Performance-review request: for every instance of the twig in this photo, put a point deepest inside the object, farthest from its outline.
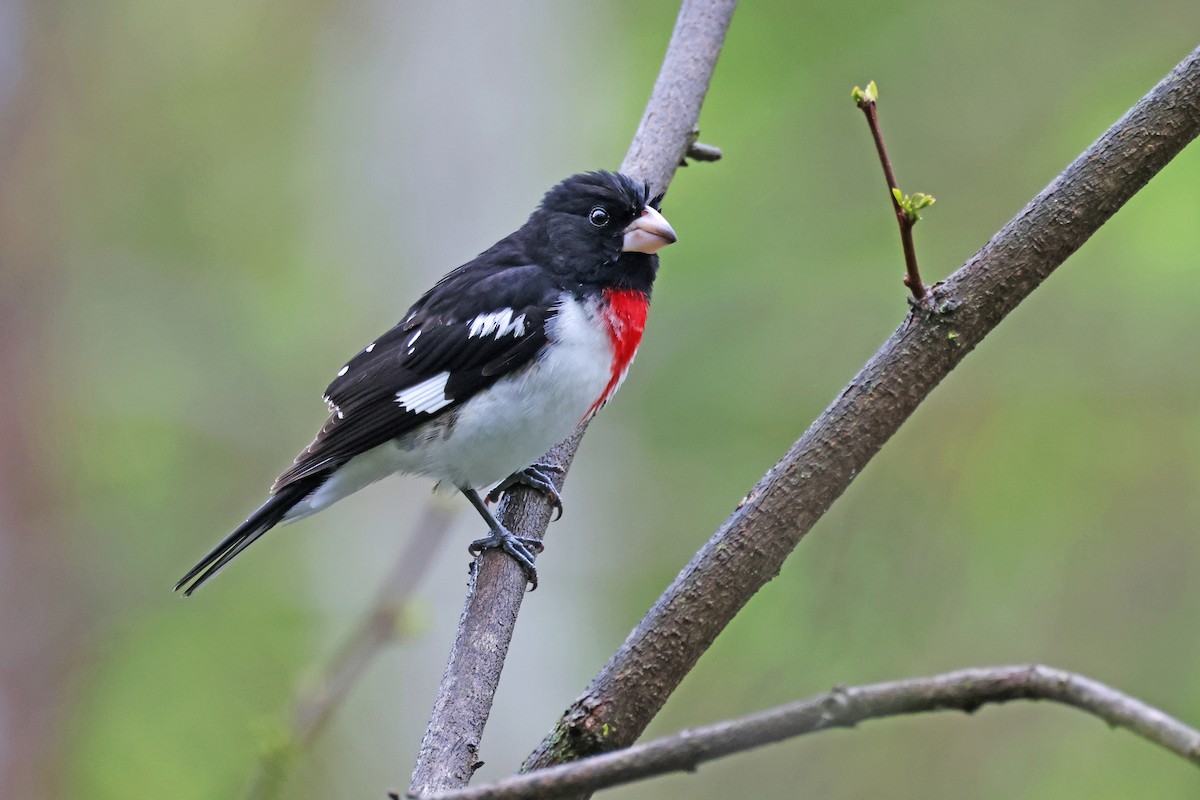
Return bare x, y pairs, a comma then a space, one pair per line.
377, 628
906, 217
699, 151
751, 546
449, 750
965, 690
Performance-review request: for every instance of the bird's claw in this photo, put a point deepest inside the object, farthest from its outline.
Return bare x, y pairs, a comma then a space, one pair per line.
521, 549
535, 478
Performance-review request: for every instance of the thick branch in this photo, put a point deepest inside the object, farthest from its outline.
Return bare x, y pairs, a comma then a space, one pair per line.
965, 690
449, 750
751, 545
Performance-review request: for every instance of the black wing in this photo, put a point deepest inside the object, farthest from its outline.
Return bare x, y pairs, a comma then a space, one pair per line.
464, 335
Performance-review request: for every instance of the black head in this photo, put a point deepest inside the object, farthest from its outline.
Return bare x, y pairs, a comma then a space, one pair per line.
600, 228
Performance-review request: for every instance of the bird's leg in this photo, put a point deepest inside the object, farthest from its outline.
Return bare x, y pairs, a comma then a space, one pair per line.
535, 478
522, 550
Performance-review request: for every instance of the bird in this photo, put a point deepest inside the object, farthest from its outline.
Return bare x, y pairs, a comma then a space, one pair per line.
500, 360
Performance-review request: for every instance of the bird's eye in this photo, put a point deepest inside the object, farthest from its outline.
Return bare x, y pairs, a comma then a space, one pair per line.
598, 217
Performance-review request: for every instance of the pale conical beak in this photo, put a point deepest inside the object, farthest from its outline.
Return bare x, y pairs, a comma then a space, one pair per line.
649, 233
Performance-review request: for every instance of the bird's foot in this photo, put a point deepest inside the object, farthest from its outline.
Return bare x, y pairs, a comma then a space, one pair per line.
535, 478
519, 548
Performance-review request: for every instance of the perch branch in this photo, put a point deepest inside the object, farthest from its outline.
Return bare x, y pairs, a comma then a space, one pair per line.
750, 547
964, 690
449, 750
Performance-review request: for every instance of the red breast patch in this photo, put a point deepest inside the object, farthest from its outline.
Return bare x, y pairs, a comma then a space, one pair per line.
624, 316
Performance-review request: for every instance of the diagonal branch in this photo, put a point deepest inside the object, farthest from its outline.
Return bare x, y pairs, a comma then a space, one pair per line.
964, 690
449, 751
750, 547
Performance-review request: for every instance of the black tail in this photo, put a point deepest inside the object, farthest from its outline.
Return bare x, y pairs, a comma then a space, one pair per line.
261, 521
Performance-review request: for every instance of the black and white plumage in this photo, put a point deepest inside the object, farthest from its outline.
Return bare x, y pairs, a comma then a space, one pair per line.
495, 364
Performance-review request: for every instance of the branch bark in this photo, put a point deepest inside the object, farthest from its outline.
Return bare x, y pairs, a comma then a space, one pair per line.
449, 750
750, 547
965, 690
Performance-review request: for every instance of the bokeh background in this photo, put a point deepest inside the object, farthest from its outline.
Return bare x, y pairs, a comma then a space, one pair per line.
205, 207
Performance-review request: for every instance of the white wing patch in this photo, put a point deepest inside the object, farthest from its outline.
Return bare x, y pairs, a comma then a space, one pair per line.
497, 323
425, 397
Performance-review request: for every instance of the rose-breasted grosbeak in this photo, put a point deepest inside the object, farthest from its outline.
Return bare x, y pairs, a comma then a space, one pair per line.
495, 364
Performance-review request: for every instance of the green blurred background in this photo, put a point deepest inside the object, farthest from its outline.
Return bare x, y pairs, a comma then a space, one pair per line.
205, 207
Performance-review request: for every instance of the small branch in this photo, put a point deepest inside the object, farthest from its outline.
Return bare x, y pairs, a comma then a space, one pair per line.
378, 628
751, 545
906, 212
965, 690
699, 151
449, 750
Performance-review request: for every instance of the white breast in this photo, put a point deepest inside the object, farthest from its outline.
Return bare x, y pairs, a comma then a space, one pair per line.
505, 428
